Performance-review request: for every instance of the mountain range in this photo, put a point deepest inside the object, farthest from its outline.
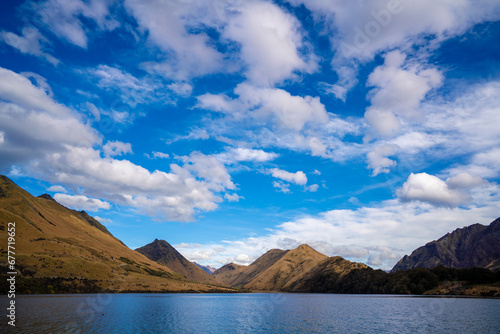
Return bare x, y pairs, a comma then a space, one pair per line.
62, 250
290, 270
472, 246
59, 250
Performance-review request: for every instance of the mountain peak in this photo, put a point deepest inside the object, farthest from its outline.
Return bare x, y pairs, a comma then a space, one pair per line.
305, 247
47, 196
162, 252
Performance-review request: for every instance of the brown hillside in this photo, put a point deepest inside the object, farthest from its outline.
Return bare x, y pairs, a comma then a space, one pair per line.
73, 249
242, 275
162, 252
229, 273
291, 267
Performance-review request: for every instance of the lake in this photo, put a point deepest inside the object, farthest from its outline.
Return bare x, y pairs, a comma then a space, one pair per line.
253, 313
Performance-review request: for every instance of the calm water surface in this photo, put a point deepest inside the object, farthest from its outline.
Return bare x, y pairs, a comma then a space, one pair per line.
253, 313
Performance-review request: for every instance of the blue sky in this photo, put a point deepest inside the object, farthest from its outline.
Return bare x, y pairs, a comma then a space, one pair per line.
363, 128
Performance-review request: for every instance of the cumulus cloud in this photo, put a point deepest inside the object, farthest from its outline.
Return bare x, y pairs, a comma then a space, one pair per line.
30, 42
80, 202
299, 177
431, 189
464, 180
242, 154
116, 148
210, 169
176, 195
51, 142
462, 125
268, 104
399, 91
378, 158
34, 124
270, 40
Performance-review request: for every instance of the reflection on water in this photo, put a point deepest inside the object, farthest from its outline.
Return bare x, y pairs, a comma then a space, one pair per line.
254, 313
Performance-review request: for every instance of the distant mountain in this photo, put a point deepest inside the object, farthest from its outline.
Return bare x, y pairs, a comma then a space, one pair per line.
286, 270
472, 246
163, 253
208, 269
61, 250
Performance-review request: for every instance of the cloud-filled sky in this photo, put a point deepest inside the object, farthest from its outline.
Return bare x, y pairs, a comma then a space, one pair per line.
363, 128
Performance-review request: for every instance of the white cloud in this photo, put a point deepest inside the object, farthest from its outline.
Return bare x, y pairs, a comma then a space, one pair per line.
161, 155
49, 141
114, 148
181, 88
312, 188
463, 125
378, 158
34, 124
178, 195
430, 189
241, 154
2, 137
132, 90
270, 39
399, 91
359, 30
464, 180
233, 197
168, 23
30, 43
80, 202
64, 18
379, 235
210, 169
57, 188
272, 117
282, 187
299, 177
261, 105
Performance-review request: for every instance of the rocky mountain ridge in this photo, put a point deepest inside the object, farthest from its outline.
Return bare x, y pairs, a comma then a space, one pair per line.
472, 246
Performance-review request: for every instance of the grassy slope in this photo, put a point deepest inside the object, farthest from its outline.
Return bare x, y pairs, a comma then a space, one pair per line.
55, 242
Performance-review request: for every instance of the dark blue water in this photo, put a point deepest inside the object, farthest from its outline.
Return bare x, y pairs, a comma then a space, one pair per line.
253, 313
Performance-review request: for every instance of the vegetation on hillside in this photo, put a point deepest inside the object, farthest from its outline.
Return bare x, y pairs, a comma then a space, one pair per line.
413, 281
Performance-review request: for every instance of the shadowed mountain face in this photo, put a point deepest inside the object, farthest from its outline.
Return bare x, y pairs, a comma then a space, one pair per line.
333, 268
472, 246
63, 250
163, 253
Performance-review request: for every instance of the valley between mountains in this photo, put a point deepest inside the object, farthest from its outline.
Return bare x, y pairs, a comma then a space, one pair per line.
59, 250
